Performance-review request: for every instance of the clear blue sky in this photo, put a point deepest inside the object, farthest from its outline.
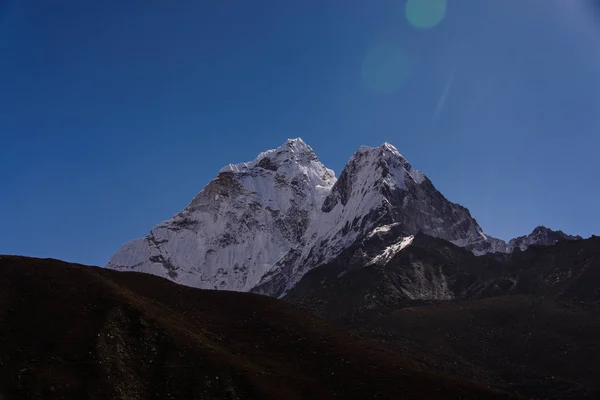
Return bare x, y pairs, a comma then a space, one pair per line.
114, 114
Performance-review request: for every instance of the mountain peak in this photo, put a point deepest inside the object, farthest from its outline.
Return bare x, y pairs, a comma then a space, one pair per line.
297, 143
292, 151
540, 229
384, 148
541, 235
386, 154
293, 148
389, 147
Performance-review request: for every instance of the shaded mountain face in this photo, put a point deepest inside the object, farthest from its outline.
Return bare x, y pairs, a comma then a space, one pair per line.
390, 269
526, 322
70, 331
260, 226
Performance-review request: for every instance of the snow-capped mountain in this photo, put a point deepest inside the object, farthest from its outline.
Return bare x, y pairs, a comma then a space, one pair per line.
239, 225
262, 225
378, 187
540, 236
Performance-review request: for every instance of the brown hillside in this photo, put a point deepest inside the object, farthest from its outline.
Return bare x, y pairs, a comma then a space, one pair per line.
70, 331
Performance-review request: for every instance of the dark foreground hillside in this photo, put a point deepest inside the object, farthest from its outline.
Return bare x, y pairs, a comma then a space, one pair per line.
525, 345
527, 323
69, 331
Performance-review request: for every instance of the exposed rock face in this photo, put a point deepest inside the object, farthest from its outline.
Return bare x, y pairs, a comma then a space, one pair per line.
262, 225
389, 270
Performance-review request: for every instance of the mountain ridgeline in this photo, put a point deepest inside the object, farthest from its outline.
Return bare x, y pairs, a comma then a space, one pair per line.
262, 225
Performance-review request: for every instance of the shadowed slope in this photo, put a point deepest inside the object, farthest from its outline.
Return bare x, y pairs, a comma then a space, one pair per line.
522, 344
449, 309
70, 331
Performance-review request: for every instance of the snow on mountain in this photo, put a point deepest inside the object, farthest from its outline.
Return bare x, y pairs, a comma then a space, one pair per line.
239, 225
389, 252
263, 224
377, 187
540, 236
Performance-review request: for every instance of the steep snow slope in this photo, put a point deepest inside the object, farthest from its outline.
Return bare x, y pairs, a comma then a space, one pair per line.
378, 187
239, 225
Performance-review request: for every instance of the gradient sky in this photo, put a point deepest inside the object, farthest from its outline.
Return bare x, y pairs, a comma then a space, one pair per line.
114, 114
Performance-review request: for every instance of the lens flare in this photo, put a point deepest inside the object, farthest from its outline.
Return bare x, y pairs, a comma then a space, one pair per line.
425, 14
385, 69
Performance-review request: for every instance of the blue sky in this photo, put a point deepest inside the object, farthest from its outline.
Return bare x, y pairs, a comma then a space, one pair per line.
113, 115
